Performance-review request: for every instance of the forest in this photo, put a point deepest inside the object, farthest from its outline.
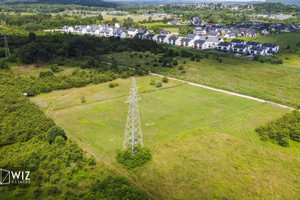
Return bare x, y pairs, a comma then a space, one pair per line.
59, 168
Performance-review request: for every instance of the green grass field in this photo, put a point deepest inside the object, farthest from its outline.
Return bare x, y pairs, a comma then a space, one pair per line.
203, 142
279, 83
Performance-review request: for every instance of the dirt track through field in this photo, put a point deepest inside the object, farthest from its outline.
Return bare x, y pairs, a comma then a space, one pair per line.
226, 92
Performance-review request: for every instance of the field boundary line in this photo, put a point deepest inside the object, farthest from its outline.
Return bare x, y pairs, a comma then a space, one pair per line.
225, 91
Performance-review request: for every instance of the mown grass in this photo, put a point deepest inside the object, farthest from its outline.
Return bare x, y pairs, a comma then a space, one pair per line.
203, 142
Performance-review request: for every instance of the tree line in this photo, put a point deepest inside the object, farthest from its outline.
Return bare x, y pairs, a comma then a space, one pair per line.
282, 130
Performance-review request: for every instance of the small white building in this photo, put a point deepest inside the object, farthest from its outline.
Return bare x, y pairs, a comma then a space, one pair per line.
67, 29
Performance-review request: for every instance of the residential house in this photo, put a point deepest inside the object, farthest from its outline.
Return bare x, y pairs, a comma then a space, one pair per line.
199, 31
197, 22
80, 29
271, 48
261, 51
212, 42
253, 44
174, 22
93, 30
67, 29
230, 35
224, 46
240, 48
131, 32
161, 39
165, 32
149, 36
200, 44
186, 42
119, 33
213, 34
174, 41
236, 41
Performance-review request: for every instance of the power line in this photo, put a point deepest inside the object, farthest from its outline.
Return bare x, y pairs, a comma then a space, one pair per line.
7, 52
133, 132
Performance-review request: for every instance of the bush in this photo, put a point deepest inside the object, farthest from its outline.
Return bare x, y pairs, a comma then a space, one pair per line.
180, 67
184, 62
165, 80
198, 60
55, 131
158, 84
175, 62
131, 161
83, 100
3, 64
55, 68
60, 140
45, 74
12, 58
112, 85
152, 82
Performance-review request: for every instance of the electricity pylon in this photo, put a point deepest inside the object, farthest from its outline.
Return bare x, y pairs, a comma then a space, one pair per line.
7, 52
133, 132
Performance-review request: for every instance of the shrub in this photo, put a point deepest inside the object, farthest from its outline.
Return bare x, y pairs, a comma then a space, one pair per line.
60, 140
184, 62
152, 82
175, 62
55, 131
12, 58
45, 74
124, 75
220, 60
165, 80
180, 67
158, 84
256, 58
198, 60
140, 72
131, 161
112, 85
55, 68
83, 100
183, 72
3, 64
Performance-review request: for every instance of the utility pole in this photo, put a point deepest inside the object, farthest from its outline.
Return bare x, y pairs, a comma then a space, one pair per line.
133, 132
7, 52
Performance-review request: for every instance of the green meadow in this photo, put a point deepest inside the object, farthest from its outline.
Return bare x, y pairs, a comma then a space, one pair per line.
203, 142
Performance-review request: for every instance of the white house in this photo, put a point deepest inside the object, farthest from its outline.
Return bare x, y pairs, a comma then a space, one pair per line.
186, 42
199, 31
253, 44
131, 32
240, 48
224, 46
230, 35
67, 29
80, 29
212, 42
119, 33
200, 44
261, 51
271, 48
164, 32
174, 41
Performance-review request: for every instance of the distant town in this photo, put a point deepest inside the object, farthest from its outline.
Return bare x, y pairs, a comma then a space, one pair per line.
204, 36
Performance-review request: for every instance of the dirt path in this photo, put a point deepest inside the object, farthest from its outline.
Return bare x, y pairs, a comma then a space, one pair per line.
226, 92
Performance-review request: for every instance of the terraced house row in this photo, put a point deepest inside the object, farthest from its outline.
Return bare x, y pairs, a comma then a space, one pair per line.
249, 48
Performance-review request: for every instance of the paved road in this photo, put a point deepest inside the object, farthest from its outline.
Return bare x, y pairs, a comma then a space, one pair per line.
227, 92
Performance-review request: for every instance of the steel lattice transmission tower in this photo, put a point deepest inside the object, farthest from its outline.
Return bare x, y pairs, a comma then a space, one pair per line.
133, 132
7, 52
